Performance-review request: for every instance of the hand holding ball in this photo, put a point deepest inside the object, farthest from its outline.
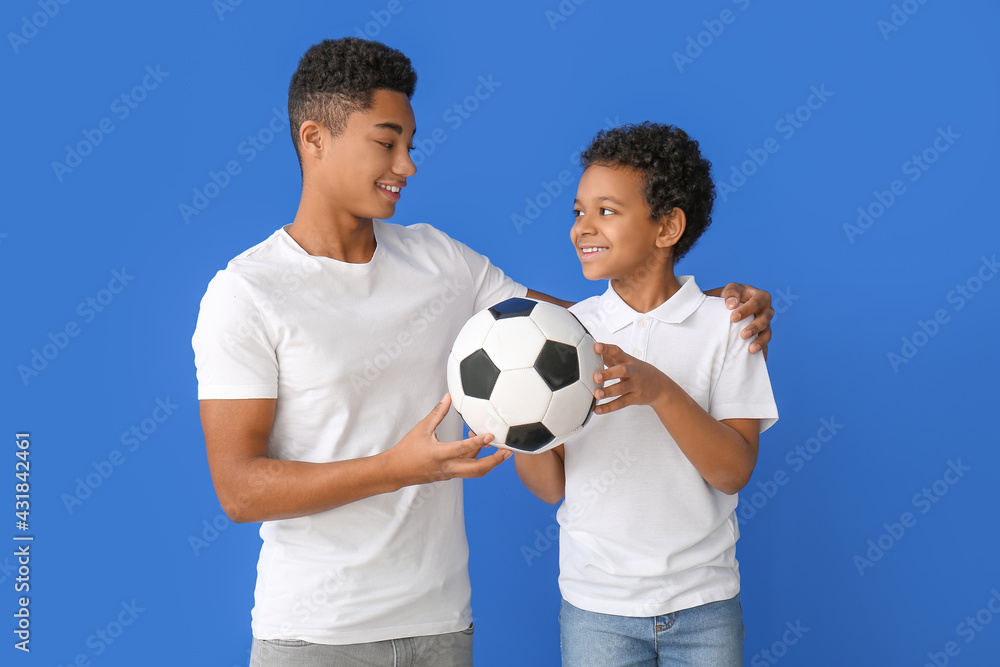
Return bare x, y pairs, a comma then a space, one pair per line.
523, 370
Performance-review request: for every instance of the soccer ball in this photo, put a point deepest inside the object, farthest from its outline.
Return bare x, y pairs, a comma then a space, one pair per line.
523, 370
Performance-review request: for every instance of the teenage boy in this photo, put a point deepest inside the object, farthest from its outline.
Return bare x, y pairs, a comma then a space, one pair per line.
317, 352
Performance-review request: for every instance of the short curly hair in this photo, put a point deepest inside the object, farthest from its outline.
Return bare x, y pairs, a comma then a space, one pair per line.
338, 77
674, 171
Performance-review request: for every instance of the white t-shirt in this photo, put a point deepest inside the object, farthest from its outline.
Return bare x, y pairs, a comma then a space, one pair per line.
642, 533
355, 355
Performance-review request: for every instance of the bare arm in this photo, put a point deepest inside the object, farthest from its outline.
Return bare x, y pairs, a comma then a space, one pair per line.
744, 300
253, 487
544, 474
724, 452
539, 296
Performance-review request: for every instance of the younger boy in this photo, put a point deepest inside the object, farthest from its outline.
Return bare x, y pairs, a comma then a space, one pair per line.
648, 568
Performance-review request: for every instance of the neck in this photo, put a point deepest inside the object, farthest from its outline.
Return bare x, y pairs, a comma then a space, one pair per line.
324, 229
646, 291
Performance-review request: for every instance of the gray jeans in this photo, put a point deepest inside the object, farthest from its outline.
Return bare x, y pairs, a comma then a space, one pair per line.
449, 650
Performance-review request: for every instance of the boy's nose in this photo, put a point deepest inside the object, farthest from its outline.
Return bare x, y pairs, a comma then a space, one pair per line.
581, 225
405, 166
579, 229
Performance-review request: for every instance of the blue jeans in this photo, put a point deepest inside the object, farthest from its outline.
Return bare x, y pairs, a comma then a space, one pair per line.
448, 650
709, 635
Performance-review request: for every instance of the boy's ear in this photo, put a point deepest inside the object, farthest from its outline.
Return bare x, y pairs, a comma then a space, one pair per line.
311, 138
672, 227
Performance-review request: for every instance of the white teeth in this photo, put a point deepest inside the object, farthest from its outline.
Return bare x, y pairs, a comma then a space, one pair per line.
390, 188
587, 251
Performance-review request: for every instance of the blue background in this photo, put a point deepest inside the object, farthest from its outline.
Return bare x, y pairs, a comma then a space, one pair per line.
151, 535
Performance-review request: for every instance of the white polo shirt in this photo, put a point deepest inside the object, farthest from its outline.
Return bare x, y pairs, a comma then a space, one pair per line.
355, 355
642, 533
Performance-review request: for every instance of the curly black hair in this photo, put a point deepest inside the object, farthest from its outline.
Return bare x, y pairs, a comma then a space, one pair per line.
338, 77
673, 168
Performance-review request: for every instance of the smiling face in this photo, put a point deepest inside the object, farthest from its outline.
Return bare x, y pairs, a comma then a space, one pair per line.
362, 171
615, 238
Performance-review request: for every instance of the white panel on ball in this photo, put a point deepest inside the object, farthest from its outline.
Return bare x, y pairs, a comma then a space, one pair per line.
482, 418
514, 342
557, 323
455, 383
521, 397
590, 361
472, 335
569, 408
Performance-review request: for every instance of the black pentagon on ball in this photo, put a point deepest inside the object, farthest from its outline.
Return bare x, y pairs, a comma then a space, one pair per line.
512, 308
593, 404
529, 437
558, 364
479, 374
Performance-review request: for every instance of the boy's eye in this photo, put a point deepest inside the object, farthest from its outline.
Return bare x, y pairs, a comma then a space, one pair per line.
605, 211
391, 145
577, 213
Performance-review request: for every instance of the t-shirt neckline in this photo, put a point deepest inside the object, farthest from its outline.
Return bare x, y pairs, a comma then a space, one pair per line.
340, 264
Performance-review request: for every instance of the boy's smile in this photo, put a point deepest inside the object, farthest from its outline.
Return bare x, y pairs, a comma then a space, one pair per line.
364, 169
589, 252
613, 233
353, 177
391, 190
617, 240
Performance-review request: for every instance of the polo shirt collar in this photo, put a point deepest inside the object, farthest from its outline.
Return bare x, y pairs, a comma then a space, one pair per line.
674, 310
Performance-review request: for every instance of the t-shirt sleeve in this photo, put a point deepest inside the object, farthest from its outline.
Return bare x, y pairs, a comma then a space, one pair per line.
743, 388
491, 284
232, 351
